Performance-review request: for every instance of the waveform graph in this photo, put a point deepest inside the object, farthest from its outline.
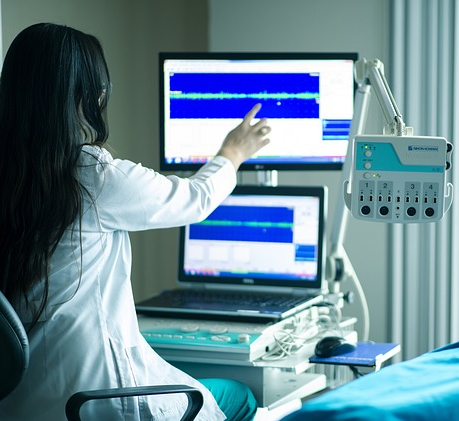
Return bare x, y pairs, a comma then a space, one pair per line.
246, 223
231, 95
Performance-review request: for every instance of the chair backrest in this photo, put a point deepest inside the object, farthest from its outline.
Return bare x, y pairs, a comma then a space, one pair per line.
14, 348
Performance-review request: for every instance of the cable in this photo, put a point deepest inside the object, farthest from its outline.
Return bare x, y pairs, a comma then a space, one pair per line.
363, 301
288, 341
306, 327
331, 322
357, 373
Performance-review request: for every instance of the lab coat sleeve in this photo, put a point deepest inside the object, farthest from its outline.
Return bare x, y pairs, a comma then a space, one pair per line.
131, 197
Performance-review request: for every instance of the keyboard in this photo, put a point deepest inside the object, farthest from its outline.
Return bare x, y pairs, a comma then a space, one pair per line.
229, 300
225, 305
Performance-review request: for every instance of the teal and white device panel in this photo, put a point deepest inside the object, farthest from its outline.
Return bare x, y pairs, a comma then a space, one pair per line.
399, 179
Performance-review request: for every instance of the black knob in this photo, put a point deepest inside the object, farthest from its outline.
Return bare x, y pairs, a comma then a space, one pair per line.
429, 212
365, 210
383, 210
411, 211
349, 297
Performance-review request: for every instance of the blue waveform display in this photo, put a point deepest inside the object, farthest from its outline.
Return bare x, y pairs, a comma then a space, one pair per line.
246, 223
231, 95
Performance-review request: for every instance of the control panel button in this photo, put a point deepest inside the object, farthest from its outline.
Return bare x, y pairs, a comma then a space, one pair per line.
218, 330
220, 338
190, 328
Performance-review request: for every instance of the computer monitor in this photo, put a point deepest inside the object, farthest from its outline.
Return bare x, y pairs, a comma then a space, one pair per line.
261, 236
307, 97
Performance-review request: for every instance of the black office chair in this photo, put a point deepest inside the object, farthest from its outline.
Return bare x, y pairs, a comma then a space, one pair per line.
14, 360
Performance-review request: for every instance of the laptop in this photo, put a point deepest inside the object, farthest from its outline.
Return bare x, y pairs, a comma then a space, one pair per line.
260, 256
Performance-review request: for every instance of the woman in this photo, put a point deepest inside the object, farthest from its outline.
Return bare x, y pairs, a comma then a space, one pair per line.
66, 209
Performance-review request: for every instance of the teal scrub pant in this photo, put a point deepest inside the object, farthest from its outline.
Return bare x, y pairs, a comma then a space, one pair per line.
234, 398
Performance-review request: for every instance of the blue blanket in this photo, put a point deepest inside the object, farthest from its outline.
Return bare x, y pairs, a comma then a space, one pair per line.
424, 388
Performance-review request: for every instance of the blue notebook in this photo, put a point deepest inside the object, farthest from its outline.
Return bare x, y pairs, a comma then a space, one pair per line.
367, 354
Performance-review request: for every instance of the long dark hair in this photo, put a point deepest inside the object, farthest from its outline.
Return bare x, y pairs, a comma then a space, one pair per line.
54, 90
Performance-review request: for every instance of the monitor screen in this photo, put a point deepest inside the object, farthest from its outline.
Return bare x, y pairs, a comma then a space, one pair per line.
259, 235
307, 97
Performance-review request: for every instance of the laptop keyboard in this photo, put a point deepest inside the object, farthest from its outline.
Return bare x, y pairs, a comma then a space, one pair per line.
179, 298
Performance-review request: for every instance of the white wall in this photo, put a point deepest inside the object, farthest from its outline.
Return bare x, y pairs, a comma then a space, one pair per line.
325, 25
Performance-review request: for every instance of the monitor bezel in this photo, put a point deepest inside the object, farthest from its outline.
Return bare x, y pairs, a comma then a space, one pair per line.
293, 166
317, 284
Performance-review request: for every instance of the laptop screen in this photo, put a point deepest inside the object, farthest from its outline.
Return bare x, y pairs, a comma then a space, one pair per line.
267, 236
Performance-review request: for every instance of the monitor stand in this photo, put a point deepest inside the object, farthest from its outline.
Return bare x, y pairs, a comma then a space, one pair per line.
267, 178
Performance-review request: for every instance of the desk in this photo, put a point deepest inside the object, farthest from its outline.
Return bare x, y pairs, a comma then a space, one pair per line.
274, 383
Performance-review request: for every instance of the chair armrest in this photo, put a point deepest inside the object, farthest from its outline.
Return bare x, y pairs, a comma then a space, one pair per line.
76, 401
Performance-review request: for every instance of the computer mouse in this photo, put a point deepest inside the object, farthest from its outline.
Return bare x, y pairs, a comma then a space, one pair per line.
330, 346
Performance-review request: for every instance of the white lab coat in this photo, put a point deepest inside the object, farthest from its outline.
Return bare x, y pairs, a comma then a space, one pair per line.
88, 337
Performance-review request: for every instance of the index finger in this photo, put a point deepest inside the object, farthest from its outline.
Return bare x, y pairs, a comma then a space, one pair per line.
252, 113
